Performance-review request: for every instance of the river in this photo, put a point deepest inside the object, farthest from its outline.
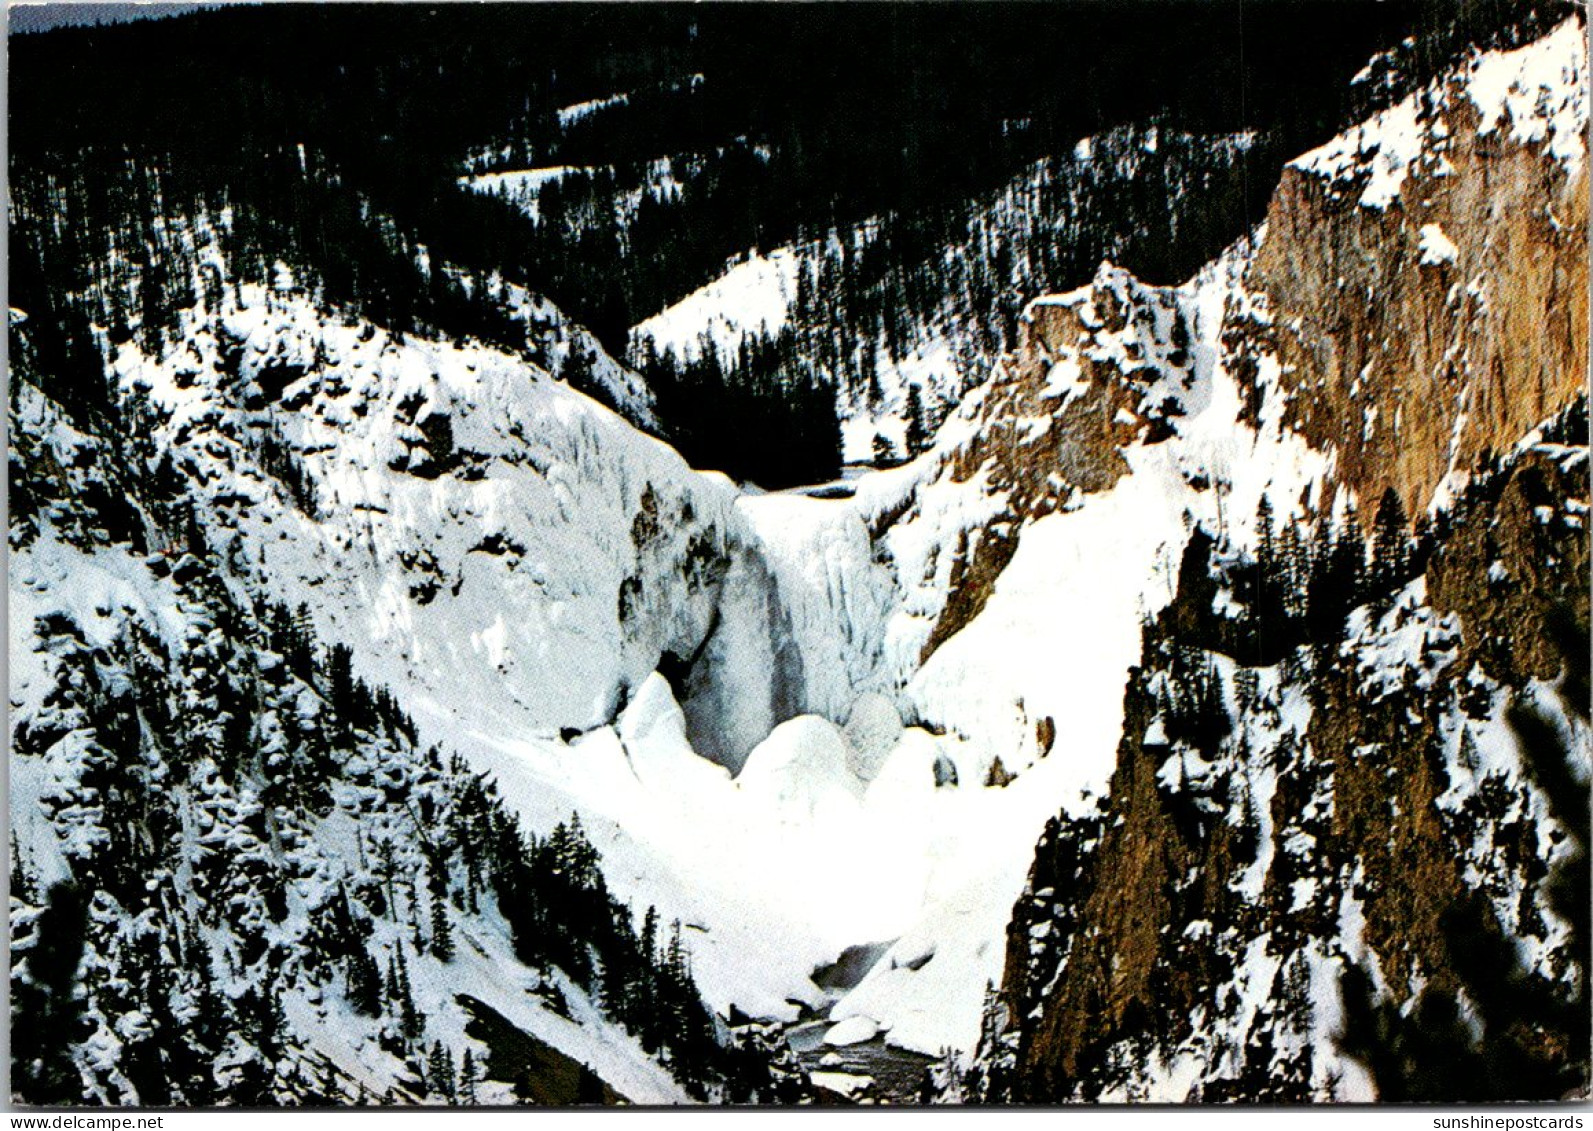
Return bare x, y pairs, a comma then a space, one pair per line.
897, 1074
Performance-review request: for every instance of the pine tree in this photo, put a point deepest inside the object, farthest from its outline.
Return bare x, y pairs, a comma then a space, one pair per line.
1390, 545
675, 955
442, 936
1266, 546
1269, 609
21, 884
618, 986
588, 1087
917, 429
203, 1039
1294, 570
417, 937
649, 939
440, 1072
401, 1001
364, 983
297, 648
1468, 756
1349, 554
46, 1010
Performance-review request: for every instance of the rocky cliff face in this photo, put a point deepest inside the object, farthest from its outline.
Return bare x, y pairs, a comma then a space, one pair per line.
1338, 820
1427, 273
1096, 370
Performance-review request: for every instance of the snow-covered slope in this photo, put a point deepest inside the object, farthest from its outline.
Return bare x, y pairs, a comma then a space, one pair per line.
1031, 683
573, 354
514, 562
1340, 833
1286, 880
1535, 95
752, 297
523, 189
470, 523
1051, 520
275, 895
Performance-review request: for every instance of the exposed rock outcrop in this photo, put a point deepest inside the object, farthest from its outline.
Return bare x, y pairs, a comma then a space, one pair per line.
1096, 369
1427, 273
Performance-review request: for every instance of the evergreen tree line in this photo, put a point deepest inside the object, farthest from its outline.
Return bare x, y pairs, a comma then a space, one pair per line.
761, 413
1305, 577
107, 250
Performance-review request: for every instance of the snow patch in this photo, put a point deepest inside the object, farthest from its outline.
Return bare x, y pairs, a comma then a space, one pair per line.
1437, 249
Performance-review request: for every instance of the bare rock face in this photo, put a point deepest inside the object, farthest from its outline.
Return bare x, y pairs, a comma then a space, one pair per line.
1096, 370
1494, 574
1427, 273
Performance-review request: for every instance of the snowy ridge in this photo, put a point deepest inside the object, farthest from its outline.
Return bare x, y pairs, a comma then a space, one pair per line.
441, 475
1077, 586
573, 353
1274, 784
514, 561
522, 187
519, 187
945, 352
1014, 684
1536, 94
569, 115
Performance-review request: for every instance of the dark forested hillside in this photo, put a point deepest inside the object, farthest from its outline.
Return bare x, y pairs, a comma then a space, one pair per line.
860, 109
337, 136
